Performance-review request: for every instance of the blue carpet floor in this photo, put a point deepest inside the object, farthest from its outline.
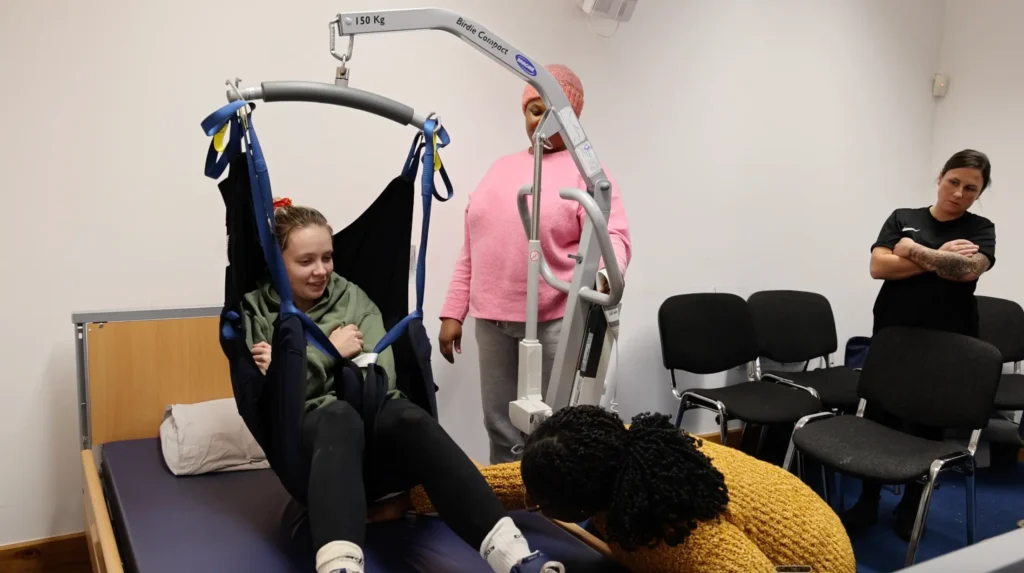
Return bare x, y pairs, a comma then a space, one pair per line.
1000, 498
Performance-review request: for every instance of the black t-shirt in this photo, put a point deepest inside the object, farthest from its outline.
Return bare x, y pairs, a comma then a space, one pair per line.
927, 300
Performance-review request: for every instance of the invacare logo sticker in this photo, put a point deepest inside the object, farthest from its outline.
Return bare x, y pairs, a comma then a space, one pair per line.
526, 65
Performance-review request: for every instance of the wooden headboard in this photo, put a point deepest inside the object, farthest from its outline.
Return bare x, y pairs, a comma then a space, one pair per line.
133, 364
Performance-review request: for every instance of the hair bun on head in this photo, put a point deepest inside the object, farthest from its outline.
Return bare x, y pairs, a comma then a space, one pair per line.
665, 487
280, 202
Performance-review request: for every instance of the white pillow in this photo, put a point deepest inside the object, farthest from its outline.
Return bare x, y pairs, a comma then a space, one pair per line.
208, 437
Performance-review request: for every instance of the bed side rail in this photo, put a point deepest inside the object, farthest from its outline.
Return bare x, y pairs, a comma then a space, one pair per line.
588, 538
99, 533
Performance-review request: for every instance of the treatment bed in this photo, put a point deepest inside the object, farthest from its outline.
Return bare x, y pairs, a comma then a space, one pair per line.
142, 518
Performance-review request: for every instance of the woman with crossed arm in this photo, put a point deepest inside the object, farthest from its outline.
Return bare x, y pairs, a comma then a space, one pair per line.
930, 259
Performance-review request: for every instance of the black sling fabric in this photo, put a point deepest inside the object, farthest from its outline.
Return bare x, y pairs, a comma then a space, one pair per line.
373, 253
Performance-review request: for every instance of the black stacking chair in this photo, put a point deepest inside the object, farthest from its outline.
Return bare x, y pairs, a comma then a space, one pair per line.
1001, 323
926, 377
707, 333
797, 326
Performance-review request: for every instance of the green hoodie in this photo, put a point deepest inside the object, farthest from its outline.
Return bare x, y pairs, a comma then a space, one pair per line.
343, 303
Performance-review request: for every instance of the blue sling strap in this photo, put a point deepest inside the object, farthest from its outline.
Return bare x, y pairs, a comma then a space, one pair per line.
429, 141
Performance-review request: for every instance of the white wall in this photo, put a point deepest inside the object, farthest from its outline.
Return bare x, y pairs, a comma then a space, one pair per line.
759, 145
982, 50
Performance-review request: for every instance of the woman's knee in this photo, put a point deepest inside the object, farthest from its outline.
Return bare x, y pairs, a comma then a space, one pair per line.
407, 419
339, 418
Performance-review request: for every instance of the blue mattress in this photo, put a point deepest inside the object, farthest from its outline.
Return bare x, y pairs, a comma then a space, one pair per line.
232, 522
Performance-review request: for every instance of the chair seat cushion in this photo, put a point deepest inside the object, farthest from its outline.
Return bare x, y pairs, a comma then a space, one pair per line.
860, 447
1010, 394
837, 387
763, 402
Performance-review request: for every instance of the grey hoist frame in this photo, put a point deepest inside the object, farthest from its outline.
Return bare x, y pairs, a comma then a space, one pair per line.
570, 382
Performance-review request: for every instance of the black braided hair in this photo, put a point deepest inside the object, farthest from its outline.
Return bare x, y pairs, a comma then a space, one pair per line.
651, 480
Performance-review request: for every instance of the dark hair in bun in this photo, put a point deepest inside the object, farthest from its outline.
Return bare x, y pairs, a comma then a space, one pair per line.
650, 481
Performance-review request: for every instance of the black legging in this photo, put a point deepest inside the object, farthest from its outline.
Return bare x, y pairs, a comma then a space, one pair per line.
410, 449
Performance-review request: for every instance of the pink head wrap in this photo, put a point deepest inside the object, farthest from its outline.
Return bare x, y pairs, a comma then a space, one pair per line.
569, 82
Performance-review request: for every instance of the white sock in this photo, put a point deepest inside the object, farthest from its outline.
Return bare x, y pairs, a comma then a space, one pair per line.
504, 546
338, 555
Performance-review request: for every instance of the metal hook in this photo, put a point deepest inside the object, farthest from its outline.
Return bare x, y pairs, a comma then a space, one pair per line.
336, 25
341, 74
243, 112
234, 87
432, 115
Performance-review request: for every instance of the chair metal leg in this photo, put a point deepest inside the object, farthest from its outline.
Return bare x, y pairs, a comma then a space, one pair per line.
684, 405
965, 460
723, 425
922, 514
790, 453
824, 485
972, 515
800, 465
762, 437
840, 494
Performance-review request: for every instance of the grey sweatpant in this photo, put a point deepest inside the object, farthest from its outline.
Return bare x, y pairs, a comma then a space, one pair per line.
498, 347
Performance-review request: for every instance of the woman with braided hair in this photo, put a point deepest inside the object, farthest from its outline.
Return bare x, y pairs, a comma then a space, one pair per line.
665, 501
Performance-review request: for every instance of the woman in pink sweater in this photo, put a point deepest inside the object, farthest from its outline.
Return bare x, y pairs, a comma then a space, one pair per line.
489, 282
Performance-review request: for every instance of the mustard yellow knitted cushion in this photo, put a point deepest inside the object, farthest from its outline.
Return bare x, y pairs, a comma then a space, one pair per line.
772, 519
784, 518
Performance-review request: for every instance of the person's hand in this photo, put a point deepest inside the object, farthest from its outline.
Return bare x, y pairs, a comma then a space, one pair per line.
602, 284
261, 354
348, 340
902, 248
450, 338
960, 247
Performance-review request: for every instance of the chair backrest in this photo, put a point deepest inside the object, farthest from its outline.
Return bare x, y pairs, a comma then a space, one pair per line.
793, 326
705, 333
932, 377
1001, 323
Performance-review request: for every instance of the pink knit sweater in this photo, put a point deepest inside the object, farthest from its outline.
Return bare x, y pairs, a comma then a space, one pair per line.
489, 281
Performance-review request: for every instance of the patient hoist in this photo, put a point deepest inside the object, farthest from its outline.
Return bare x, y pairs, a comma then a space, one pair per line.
591, 317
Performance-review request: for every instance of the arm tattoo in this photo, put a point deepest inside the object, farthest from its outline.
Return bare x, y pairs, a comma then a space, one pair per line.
949, 265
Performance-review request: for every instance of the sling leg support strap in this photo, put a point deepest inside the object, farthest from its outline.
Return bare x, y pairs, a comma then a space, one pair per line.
433, 138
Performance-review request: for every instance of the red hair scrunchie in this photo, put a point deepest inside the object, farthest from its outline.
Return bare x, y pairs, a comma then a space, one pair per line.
286, 202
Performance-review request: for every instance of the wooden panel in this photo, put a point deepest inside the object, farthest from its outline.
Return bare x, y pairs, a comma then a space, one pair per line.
136, 369
99, 534
64, 554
